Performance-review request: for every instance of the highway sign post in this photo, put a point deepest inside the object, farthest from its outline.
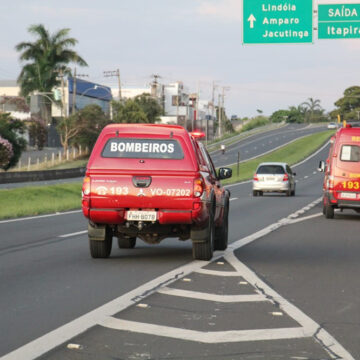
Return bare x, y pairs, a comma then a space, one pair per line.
339, 21
277, 21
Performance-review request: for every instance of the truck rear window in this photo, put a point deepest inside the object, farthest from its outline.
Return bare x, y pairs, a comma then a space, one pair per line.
133, 148
350, 153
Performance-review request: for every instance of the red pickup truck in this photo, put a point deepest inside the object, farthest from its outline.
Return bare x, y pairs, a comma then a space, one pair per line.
154, 182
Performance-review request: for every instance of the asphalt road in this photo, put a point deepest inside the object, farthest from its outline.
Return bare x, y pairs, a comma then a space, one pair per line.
252, 146
236, 307
258, 144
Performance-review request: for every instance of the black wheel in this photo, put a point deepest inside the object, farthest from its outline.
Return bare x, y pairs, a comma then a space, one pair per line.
222, 232
102, 248
203, 241
329, 211
126, 243
255, 193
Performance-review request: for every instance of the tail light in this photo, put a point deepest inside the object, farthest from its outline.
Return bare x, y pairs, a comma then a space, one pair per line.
286, 177
330, 183
198, 187
255, 178
86, 186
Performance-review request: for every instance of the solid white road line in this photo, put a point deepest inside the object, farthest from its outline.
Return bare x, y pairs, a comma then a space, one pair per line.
213, 337
39, 216
234, 198
211, 297
73, 234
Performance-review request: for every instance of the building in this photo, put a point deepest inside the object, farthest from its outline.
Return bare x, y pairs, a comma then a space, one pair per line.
65, 100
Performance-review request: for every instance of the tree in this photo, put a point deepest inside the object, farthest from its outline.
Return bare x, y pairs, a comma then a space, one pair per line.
150, 106
311, 107
47, 58
83, 127
295, 115
92, 120
279, 116
38, 131
11, 130
128, 112
349, 105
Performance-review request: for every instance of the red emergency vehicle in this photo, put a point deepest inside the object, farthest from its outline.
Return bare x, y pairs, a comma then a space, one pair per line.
154, 182
341, 187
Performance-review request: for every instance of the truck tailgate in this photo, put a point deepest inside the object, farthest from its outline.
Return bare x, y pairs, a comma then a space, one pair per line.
165, 191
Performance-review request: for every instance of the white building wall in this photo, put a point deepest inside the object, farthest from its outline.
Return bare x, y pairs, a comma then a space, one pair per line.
129, 93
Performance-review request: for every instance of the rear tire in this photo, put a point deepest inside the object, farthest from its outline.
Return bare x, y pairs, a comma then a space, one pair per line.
126, 243
222, 232
328, 211
202, 249
101, 249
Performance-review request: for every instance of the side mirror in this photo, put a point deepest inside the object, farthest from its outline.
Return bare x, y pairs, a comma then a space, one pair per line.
321, 167
224, 173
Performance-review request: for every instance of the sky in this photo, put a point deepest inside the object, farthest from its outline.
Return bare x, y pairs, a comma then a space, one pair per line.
193, 41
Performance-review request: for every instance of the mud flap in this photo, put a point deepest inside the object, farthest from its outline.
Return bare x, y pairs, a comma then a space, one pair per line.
97, 232
199, 235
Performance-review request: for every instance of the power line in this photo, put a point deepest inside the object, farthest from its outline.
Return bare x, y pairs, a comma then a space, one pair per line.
113, 73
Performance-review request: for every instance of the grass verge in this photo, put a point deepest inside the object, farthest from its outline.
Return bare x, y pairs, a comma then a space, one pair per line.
36, 200
291, 154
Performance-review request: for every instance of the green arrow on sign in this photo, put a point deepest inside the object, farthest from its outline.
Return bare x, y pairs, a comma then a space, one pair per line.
339, 21
277, 21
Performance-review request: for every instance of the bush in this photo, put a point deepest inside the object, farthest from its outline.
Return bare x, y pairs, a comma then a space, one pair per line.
11, 130
255, 122
6, 153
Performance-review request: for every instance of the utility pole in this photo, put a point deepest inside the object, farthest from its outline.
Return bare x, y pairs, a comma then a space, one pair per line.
154, 85
220, 114
223, 102
113, 73
74, 93
214, 86
61, 74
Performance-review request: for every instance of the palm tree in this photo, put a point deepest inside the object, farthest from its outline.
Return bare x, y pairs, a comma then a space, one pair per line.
310, 107
47, 58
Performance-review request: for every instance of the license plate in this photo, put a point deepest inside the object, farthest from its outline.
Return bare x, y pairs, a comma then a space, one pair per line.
141, 215
345, 195
270, 178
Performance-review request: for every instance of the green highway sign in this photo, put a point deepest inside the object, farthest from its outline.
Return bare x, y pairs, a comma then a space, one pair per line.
339, 21
277, 21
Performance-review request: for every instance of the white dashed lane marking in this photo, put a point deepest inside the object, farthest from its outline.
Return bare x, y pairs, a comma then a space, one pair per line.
73, 234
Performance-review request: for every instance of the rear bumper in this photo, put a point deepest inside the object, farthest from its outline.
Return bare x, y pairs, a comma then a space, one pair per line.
262, 186
330, 199
198, 215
